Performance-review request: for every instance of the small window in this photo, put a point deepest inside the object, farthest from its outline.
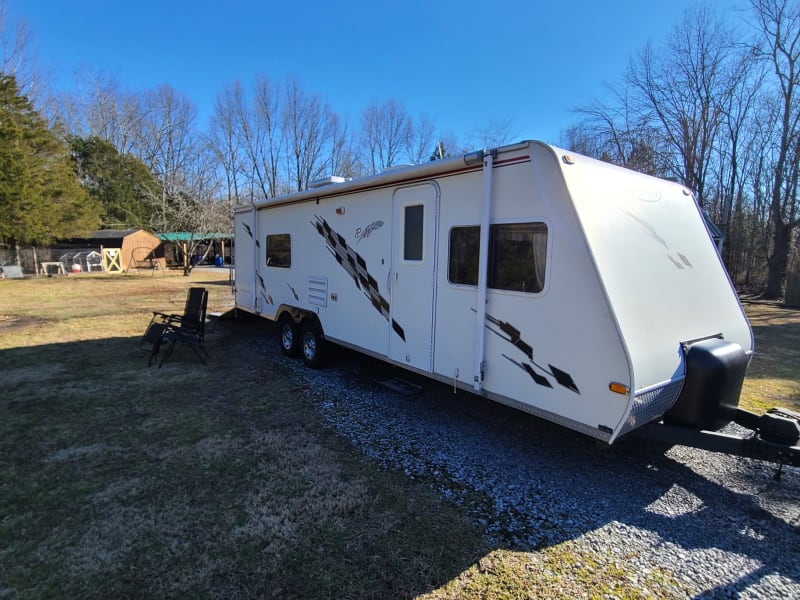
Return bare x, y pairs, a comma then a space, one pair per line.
464, 246
412, 243
517, 256
279, 250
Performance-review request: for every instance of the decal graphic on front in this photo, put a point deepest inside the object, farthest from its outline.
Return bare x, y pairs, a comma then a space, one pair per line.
513, 335
676, 258
355, 265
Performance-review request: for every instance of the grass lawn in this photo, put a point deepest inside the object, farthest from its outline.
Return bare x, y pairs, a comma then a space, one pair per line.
117, 480
187, 481
773, 378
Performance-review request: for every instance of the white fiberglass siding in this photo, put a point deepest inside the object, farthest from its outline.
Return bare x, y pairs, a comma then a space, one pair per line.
659, 267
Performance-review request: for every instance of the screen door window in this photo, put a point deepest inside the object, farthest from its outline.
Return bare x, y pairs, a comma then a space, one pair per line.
412, 240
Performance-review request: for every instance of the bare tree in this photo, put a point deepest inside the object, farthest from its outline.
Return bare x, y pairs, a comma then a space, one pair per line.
778, 22
344, 160
105, 110
447, 146
226, 143
280, 141
737, 152
308, 122
385, 130
18, 55
725, 120
266, 140
682, 90
167, 140
421, 138
493, 134
620, 133
171, 147
256, 128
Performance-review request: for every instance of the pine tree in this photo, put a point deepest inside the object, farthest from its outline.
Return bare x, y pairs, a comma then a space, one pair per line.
121, 183
41, 199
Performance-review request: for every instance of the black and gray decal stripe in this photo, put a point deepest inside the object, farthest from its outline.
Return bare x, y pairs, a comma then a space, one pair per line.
511, 334
540, 379
264, 294
356, 267
514, 335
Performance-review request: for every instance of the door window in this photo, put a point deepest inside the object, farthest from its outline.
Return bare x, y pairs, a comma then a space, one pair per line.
413, 234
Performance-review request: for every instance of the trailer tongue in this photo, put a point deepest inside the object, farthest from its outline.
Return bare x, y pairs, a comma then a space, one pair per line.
708, 402
774, 437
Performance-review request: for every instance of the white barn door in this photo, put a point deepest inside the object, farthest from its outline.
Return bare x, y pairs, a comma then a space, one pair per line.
414, 218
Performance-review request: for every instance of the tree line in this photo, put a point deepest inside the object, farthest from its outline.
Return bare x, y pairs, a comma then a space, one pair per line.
715, 107
718, 109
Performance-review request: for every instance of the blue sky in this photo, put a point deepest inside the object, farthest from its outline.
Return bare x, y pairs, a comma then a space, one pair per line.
464, 64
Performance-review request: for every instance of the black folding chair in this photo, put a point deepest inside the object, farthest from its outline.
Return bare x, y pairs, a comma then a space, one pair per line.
187, 329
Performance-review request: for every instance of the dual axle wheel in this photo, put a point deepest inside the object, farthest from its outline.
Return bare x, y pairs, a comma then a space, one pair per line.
304, 340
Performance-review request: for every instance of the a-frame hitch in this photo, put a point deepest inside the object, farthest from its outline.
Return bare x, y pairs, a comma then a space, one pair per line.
775, 437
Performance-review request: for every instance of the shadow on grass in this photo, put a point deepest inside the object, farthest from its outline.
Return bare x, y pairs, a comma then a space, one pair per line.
218, 282
117, 480
228, 480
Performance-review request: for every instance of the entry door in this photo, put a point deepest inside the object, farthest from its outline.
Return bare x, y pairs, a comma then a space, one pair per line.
245, 262
413, 275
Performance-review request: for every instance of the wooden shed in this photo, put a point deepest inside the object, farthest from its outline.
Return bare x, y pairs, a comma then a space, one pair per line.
124, 249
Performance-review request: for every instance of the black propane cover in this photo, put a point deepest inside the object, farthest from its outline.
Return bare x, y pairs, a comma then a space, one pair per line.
715, 371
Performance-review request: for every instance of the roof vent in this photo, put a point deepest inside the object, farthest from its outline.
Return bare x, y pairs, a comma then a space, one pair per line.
318, 183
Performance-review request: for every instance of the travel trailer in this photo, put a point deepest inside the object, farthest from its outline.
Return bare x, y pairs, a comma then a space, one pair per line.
563, 286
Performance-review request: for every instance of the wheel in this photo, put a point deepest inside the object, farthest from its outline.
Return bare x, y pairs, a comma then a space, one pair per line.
288, 336
313, 346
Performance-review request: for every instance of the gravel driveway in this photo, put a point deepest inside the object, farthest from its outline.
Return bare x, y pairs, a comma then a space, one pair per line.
720, 525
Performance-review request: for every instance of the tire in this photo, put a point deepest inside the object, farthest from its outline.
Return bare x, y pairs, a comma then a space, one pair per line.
288, 336
312, 345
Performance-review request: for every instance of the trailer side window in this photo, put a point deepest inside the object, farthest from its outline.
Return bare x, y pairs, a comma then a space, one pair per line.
279, 250
517, 255
463, 264
412, 243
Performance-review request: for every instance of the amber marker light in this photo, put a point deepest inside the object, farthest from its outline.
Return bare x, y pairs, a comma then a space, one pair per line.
618, 388
568, 159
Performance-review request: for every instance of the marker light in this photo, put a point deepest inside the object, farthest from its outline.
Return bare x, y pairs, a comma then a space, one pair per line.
618, 388
568, 160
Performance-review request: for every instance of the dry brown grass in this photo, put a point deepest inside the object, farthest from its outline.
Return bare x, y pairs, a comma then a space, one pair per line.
188, 481
773, 378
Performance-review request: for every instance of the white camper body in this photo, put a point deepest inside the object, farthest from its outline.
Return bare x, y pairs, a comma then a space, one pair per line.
577, 302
